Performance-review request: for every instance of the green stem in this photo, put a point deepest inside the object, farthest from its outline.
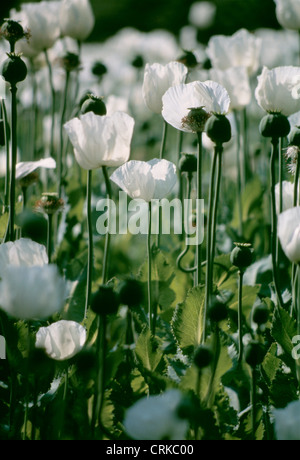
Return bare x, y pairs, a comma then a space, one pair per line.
107, 238
161, 155
199, 196
61, 159
53, 102
100, 382
253, 403
49, 237
90, 242
239, 174
12, 197
215, 209
149, 255
240, 314
297, 304
274, 155
6, 140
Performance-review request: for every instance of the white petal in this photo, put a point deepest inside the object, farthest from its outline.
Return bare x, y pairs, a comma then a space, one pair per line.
289, 233
27, 167
165, 177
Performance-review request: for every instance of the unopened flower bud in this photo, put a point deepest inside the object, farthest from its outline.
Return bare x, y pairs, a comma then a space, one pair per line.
254, 354
131, 293
12, 31
105, 301
218, 129
242, 255
260, 314
188, 163
202, 357
274, 125
94, 104
14, 69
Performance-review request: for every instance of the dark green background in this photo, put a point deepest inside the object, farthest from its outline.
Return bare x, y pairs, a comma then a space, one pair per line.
146, 15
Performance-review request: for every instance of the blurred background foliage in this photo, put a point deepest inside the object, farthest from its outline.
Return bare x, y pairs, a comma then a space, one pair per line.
171, 15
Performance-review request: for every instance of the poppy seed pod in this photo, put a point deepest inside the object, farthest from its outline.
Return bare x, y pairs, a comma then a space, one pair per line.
94, 104
131, 293
14, 69
242, 255
217, 311
274, 125
202, 357
218, 129
12, 31
188, 163
254, 354
105, 301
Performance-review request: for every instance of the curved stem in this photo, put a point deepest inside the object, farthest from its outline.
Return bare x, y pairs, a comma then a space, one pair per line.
90, 242
274, 154
12, 196
53, 102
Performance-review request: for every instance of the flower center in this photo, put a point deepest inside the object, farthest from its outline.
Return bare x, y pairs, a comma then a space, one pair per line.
195, 119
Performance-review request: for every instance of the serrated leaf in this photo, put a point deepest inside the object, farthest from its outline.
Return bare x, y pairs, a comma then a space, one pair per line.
147, 351
271, 364
283, 329
187, 322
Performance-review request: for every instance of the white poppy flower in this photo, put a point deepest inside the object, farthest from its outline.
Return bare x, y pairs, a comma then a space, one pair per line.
288, 13
188, 106
287, 195
61, 340
236, 82
27, 167
277, 88
158, 79
100, 140
242, 49
41, 21
32, 293
149, 180
22, 253
76, 19
154, 418
202, 14
287, 422
289, 233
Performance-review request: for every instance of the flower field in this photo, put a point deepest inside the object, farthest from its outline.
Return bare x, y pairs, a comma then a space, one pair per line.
150, 229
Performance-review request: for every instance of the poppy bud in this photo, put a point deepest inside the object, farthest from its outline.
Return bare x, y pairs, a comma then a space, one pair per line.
12, 31
202, 357
14, 69
242, 255
105, 301
254, 354
94, 104
131, 293
188, 163
218, 129
260, 314
274, 125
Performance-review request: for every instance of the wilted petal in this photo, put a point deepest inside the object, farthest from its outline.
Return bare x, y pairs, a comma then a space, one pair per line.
61, 340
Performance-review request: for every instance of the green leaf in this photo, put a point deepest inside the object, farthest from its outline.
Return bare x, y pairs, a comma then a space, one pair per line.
283, 330
147, 351
187, 322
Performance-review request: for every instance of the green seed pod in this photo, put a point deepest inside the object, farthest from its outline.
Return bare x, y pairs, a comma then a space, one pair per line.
294, 136
254, 354
99, 69
242, 255
217, 311
14, 69
274, 125
94, 104
12, 31
218, 129
188, 163
260, 314
131, 293
203, 357
105, 301
188, 59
